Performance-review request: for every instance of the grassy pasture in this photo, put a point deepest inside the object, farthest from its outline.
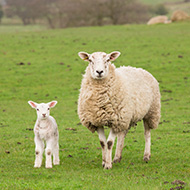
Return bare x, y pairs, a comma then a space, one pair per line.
42, 65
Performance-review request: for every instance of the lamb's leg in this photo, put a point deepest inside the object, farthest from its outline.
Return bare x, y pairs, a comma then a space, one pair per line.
39, 151
110, 143
147, 136
56, 160
103, 144
48, 152
119, 147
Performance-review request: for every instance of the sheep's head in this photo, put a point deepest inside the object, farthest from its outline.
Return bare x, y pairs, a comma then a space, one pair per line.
43, 110
99, 62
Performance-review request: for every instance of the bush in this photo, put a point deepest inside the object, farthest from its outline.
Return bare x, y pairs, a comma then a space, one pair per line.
160, 10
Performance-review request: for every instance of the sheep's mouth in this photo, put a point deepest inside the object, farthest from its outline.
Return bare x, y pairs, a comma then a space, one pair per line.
100, 76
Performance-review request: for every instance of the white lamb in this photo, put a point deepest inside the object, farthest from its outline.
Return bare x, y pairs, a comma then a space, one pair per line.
117, 98
45, 129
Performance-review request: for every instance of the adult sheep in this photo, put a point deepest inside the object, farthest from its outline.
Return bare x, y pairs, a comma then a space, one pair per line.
159, 19
117, 98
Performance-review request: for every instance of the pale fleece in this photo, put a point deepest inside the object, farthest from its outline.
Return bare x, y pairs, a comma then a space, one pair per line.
120, 100
159, 19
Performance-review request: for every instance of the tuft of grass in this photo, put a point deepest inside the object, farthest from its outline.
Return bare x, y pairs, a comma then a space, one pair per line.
42, 65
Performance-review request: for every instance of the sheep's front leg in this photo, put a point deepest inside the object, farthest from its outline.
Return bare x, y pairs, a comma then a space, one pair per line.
48, 152
56, 154
147, 136
39, 149
110, 143
102, 138
119, 147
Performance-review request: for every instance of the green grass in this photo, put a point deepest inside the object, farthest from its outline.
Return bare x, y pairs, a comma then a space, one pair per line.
43, 65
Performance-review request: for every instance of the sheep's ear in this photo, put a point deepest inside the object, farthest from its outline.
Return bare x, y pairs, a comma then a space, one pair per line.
114, 55
52, 104
32, 104
84, 56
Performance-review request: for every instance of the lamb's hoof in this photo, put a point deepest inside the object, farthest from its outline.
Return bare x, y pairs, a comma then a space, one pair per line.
48, 166
108, 166
56, 163
146, 158
103, 163
37, 166
117, 160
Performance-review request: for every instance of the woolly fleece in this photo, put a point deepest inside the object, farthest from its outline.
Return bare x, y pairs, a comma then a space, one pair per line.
126, 96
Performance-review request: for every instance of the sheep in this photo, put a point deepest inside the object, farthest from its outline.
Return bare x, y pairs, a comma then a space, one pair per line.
159, 19
179, 16
45, 129
117, 98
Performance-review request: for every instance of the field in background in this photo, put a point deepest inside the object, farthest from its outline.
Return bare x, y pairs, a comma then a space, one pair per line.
42, 65
171, 5
178, 6
155, 2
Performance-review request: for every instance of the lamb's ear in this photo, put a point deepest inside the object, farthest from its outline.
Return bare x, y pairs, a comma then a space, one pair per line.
52, 104
84, 56
33, 104
114, 55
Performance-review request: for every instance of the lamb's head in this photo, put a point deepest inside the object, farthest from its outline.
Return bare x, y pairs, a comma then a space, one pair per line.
43, 110
99, 62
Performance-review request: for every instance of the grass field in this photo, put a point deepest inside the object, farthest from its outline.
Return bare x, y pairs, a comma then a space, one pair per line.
43, 65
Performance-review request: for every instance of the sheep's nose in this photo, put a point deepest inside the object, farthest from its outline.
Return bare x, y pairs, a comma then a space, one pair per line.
44, 114
99, 72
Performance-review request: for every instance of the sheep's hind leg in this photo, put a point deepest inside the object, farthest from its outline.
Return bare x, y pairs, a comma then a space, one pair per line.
110, 143
102, 138
119, 147
147, 136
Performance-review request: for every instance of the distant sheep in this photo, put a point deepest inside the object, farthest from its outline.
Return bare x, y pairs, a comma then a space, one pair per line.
159, 19
117, 98
45, 129
179, 16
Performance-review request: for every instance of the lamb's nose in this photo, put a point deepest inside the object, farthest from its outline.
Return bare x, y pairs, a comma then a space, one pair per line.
99, 72
44, 114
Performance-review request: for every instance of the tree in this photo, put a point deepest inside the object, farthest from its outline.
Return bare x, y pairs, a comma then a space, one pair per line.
1, 13
27, 11
73, 13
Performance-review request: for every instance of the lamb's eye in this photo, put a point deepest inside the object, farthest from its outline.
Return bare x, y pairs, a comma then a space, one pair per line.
38, 110
48, 108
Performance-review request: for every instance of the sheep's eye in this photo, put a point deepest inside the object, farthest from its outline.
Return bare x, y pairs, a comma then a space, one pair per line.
108, 60
91, 61
48, 108
38, 110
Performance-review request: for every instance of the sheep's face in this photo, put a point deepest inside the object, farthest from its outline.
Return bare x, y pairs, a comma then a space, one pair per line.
43, 110
99, 63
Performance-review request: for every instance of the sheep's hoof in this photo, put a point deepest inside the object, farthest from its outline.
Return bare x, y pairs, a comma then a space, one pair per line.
56, 162
146, 158
103, 164
117, 160
107, 166
37, 166
48, 166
